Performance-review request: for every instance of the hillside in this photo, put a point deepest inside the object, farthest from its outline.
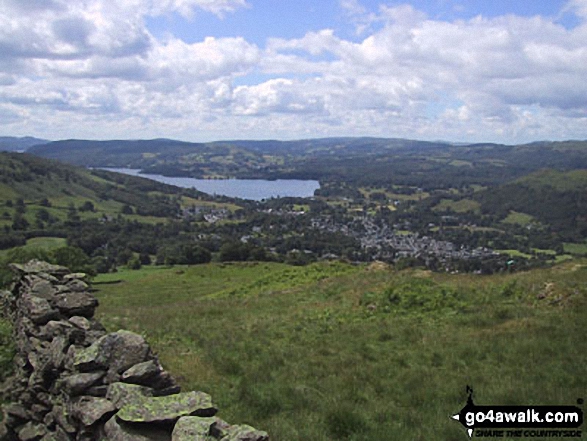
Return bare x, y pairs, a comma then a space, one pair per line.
358, 161
105, 215
53, 186
14, 144
331, 351
553, 198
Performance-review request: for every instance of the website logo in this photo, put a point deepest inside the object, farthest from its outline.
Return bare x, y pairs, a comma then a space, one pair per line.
520, 421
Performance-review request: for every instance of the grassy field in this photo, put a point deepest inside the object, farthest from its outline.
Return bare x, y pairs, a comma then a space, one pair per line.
462, 206
576, 248
522, 219
45, 243
340, 352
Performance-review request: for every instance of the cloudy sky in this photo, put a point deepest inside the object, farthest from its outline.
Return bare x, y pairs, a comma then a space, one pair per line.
198, 70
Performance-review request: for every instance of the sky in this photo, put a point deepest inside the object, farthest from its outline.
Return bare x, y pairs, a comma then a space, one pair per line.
201, 70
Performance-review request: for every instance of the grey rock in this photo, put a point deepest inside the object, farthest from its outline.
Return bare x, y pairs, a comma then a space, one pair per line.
97, 391
245, 433
121, 394
90, 410
117, 430
141, 373
219, 429
62, 418
169, 408
81, 322
55, 328
15, 414
77, 384
57, 352
76, 303
36, 267
31, 431
38, 310
44, 289
7, 433
117, 351
76, 285
75, 276
192, 428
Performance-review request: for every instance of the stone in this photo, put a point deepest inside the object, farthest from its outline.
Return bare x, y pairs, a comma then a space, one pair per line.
169, 408
74, 276
36, 267
97, 391
55, 328
38, 310
121, 394
117, 430
81, 322
15, 415
117, 351
31, 431
192, 428
77, 384
90, 410
219, 429
57, 352
76, 303
77, 285
245, 433
62, 418
141, 373
44, 289
7, 433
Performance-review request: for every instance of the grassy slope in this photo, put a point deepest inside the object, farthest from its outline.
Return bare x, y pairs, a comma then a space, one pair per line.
296, 350
33, 179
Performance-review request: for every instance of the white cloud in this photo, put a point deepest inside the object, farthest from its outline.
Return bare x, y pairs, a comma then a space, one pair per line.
78, 66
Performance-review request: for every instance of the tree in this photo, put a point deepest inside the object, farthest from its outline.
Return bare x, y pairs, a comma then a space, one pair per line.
19, 222
87, 206
73, 258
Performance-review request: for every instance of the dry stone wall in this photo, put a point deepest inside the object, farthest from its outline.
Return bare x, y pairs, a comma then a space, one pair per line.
74, 381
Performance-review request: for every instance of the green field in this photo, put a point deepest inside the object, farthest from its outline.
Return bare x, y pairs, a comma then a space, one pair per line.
341, 352
522, 219
461, 206
575, 248
44, 243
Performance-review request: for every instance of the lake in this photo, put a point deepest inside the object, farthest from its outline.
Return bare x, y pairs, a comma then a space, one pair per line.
254, 189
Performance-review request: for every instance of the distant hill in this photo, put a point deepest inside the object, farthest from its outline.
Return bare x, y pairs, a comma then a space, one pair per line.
361, 161
14, 144
554, 198
46, 184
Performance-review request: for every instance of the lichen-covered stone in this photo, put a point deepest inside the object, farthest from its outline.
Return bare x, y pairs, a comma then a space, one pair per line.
141, 373
36, 266
62, 418
77, 384
75, 276
76, 285
245, 433
31, 431
192, 428
169, 408
121, 394
90, 410
44, 289
76, 303
117, 351
116, 430
81, 322
38, 310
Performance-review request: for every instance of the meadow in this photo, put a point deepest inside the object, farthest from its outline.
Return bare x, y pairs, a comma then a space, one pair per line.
333, 351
